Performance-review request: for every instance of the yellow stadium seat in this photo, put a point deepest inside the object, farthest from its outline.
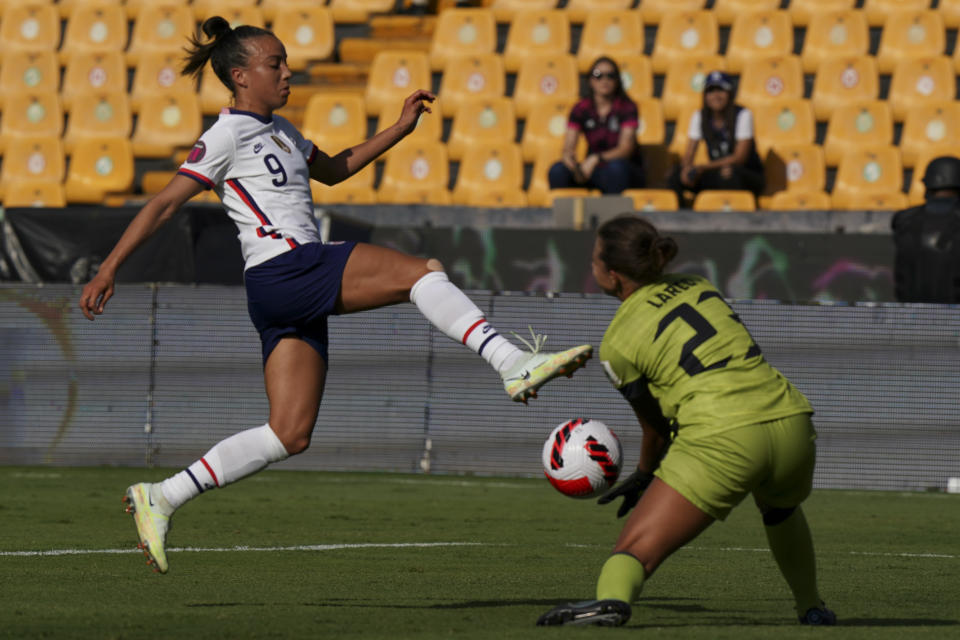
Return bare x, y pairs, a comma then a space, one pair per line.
244, 15
158, 75
678, 144
489, 167
496, 198
636, 76
539, 188
728, 10
505, 10
547, 130
29, 71
93, 72
799, 201
910, 34
33, 158
921, 81
950, 11
867, 124
97, 114
798, 168
926, 126
214, 95
462, 32
30, 113
166, 123
876, 11
785, 122
580, 10
891, 201
552, 195
34, 193
651, 128
134, 7
433, 195
536, 33
429, 128
99, 169
842, 81
394, 75
683, 83
770, 80
203, 9
94, 28
802, 11
684, 34
307, 33
917, 191
159, 29
359, 11
469, 78
357, 189
480, 122
271, 8
611, 33
832, 35
29, 26
335, 121
653, 199
867, 171
653, 11
724, 200
759, 34
414, 169
545, 77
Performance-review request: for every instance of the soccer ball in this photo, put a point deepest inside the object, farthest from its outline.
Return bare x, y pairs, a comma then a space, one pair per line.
582, 458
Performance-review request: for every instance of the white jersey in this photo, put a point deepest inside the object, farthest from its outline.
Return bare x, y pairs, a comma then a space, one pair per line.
260, 168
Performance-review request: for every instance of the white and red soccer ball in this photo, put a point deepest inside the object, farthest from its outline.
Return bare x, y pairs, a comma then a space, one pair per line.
582, 458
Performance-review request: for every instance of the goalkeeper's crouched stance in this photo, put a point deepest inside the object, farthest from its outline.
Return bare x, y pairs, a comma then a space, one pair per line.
718, 421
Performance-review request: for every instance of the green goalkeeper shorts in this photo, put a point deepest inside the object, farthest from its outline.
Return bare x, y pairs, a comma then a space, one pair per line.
773, 460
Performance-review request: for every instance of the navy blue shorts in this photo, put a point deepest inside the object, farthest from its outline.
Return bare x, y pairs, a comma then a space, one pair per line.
294, 293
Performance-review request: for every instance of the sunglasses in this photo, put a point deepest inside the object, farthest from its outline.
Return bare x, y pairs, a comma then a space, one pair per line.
609, 75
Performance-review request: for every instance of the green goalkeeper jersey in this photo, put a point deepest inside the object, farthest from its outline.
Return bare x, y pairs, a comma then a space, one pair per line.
679, 340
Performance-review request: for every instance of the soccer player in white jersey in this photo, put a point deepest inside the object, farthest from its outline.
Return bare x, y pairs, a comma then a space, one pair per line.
260, 166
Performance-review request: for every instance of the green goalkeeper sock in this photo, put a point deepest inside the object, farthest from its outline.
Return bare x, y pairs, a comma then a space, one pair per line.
792, 547
621, 578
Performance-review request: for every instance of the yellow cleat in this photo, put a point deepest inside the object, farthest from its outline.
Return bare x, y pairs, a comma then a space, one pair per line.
535, 369
152, 524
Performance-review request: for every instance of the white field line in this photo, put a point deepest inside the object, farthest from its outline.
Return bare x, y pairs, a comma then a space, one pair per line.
418, 545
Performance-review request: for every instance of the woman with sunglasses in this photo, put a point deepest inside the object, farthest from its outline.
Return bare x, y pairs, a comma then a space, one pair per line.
608, 120
727, 130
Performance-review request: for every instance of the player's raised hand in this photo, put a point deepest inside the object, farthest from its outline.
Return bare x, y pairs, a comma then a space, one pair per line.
631, 489
415, 104
95, 294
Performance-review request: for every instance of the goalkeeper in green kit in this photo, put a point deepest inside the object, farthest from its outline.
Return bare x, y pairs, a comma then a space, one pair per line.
719, 422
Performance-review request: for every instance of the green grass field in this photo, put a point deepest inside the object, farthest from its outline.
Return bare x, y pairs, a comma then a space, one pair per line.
323, 555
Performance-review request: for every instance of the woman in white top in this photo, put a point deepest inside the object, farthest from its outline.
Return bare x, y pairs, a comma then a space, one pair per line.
260, 167
727, 130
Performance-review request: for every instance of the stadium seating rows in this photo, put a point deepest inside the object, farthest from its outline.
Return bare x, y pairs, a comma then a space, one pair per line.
98, 43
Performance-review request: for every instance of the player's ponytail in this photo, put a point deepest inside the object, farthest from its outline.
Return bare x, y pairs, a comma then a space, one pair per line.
224, 48
632, 246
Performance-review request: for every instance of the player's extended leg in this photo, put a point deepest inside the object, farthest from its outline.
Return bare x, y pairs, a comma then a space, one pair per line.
662, 522
377, 276
294, 375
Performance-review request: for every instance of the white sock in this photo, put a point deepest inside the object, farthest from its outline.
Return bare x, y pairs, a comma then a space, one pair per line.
451, 311
231, 459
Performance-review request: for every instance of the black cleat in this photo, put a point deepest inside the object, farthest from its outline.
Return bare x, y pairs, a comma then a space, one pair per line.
819, 616
606, 613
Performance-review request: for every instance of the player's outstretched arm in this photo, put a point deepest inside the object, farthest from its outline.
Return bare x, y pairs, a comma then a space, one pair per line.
333, 169
152, 216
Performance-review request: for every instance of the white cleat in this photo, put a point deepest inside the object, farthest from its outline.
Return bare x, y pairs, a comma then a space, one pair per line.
535, 369
152, 524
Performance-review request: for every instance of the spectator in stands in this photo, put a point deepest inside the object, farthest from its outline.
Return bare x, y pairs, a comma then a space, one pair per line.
608, 119
926, 264
261, 167
727, 130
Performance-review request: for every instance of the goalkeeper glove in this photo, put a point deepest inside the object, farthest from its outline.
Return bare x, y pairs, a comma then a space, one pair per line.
630, 489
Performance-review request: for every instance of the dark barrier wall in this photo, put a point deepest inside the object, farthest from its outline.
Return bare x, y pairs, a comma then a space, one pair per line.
200, 246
